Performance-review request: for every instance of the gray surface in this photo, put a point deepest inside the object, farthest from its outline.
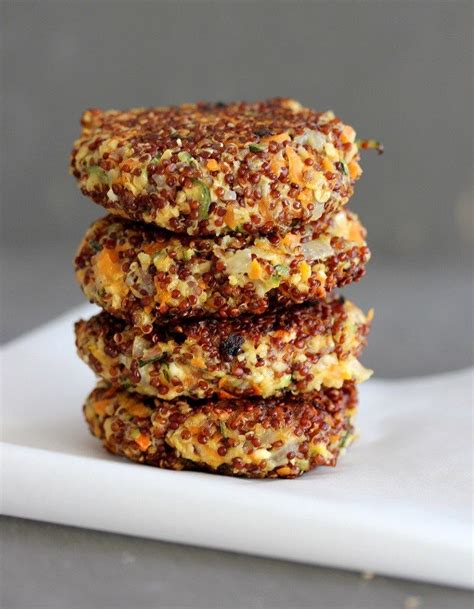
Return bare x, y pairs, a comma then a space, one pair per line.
79, 570
398, 71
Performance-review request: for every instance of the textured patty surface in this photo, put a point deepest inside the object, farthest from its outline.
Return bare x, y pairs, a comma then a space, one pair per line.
144, 274
216, 168
278, 437
296, 350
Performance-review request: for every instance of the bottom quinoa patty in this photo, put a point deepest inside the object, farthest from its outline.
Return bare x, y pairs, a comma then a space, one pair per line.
297, 350
275, 438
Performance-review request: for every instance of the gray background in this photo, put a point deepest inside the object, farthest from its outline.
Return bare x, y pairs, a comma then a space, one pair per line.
397, 71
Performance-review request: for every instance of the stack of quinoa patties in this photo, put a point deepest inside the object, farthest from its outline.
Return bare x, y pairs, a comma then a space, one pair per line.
220, 346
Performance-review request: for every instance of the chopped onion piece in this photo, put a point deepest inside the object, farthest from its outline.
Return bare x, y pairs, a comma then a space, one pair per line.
316, 250
230, 195
140, 345
314, 138
266, 253
111, 195
238, 262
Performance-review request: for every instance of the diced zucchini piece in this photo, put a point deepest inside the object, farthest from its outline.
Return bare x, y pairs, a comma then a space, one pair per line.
345, 438
95, 246
200, 192
185, 157
188, 253
156, 159
98, 172
281, 270
158, 358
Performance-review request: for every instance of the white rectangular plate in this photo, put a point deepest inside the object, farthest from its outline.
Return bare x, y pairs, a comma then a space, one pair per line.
398, 503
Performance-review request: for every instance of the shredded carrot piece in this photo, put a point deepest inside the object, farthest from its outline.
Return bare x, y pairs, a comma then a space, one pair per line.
290, 240
198, 361
222, 392
229, 217
280, 137
212, 165
143, 441
130, 164
277, 165
109, 267
295, 165
280, 333
138, 410
264, 209
354, 169
348, 134
162, 296
106, 258
255, 270
356, 233
225, 394
327, 165
306, 196
100, 406
305, 271
152, 248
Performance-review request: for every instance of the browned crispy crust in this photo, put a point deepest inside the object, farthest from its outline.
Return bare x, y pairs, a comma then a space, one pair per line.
144, 274
278, 437
297, 350
216, 168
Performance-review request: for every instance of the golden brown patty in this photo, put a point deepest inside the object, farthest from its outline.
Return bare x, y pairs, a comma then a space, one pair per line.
278, 437
297, 350
144, 274
210, 169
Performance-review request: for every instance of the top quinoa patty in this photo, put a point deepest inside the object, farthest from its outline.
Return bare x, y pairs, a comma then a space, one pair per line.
209, 169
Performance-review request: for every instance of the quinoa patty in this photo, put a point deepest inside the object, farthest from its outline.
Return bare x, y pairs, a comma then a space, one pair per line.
296, 350
144, 274
278, 437
209, 169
